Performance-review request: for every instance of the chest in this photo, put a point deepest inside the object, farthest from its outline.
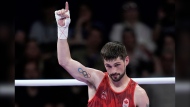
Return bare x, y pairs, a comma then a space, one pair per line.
109, 97
106, 96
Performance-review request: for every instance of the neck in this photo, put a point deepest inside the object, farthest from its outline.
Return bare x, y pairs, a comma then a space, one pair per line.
120, 83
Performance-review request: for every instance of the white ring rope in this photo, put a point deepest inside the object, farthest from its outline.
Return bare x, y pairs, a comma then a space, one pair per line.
74, 82
7, 90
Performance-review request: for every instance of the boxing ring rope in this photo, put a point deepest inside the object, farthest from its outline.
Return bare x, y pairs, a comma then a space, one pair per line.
8, 90
74, 82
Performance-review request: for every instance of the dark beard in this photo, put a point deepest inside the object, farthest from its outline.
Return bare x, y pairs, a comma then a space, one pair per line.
119, 78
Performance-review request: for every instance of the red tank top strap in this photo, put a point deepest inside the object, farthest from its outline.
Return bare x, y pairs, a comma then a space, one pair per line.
102, 84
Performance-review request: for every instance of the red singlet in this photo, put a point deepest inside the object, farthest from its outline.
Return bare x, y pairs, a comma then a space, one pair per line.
105, 96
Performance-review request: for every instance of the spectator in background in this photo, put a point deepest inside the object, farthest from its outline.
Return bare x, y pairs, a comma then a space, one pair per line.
5, 32
140, 62
164, 67
45, 29
36, 96
5, 39
165, 24
6, 62
31, 70
167, 62
20, 42
32, 52
131, 19
30, 96
77, 94
167, 46
11, 67
51, 68
83, 25
164, 62
89, 55
183, 55
169, 42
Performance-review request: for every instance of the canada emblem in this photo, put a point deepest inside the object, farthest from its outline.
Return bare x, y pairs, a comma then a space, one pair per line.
104, 95
125, 103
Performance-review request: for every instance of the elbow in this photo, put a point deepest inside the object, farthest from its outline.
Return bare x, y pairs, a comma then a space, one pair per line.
63, 63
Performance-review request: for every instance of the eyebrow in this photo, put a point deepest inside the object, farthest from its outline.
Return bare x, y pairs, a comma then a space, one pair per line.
107, 64
117, 63
114, 63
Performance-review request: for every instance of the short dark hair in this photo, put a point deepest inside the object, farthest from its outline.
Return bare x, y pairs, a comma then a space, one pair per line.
113, 50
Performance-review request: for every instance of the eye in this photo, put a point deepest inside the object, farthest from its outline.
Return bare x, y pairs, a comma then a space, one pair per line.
108, 66
117, 65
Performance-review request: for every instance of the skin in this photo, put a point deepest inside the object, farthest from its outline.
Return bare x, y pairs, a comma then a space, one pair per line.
92, 77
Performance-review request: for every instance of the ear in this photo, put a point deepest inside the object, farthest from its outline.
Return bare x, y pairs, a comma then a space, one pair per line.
127, 60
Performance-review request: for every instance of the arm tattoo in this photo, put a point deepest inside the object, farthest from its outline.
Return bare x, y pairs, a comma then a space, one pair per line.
84, 73
147, 105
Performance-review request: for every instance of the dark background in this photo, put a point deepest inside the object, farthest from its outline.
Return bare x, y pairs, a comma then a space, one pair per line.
22, 14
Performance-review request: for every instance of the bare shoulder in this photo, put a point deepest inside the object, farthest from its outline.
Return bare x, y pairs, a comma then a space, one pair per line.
139, 91
97, 76
141, 97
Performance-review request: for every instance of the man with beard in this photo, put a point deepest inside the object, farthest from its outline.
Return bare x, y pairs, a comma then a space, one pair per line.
110, 89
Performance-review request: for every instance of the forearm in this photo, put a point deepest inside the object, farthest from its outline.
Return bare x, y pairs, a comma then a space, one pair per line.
63, 52
63, 21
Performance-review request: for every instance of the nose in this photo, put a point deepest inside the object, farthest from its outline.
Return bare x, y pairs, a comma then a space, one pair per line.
113, 70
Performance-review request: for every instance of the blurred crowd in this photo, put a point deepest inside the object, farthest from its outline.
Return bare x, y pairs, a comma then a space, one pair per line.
151, 50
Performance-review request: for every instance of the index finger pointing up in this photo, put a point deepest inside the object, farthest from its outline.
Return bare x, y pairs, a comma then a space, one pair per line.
66, 6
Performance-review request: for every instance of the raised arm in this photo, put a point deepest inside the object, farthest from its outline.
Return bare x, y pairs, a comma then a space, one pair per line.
74, 68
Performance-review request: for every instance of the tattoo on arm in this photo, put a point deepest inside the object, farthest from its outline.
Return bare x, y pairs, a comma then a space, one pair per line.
84, 73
